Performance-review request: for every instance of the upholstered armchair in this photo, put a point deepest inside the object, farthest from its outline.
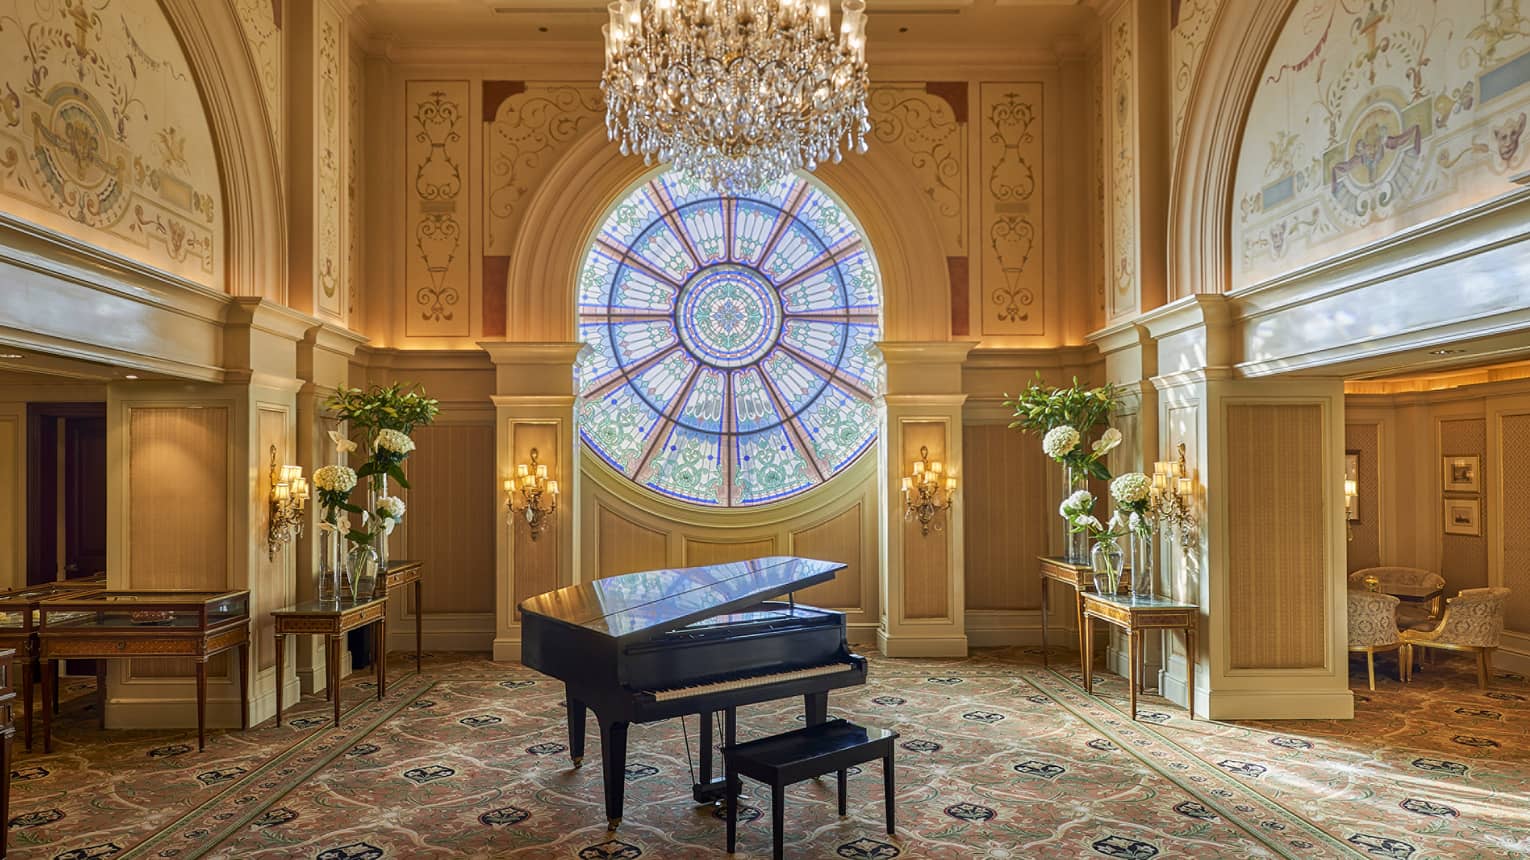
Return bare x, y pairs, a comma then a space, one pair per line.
1473, 622
1373, 627
1410, 614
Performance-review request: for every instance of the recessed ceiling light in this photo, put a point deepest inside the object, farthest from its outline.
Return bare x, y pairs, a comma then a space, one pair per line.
1446, 351
11, 356
129, 376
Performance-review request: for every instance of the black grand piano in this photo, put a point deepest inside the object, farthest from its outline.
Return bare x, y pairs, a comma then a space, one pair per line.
666, 643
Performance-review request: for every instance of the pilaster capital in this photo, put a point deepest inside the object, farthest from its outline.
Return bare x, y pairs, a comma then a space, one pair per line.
924, 367
530, 368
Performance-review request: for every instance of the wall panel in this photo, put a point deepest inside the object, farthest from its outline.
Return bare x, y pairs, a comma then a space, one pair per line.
1515, 452
1365, 535
700, 552
452, 514
1276, 466
1463, 558
626, 547
274, 586
1006, 527
178, 473
535, 561
926, 560
835, 539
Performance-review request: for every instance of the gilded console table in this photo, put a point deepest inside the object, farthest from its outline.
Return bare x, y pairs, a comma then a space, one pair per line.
1077, 576
114, 625
332, 620
400, 574
18, 631
1134, 615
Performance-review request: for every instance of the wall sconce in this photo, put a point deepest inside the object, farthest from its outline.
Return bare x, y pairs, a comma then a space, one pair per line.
927, 492
1174, 499
289, 495
531, 495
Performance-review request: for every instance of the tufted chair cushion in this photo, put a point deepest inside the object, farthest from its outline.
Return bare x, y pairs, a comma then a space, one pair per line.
1474, 617
1410, 576
1372, 619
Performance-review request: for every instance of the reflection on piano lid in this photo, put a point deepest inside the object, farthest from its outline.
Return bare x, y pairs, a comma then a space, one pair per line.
638, 606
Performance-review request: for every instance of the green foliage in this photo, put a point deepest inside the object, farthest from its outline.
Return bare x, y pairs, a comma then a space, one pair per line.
1040, 407
400, 406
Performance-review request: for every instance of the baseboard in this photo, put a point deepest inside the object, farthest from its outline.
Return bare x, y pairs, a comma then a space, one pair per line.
1514, 654
402, 641
507, 650
921, 646
1275, 704
987, 628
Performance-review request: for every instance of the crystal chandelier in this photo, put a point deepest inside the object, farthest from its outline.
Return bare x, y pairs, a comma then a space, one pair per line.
736, 92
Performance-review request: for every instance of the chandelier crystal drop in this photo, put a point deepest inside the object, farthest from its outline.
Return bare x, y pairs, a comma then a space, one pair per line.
736, 92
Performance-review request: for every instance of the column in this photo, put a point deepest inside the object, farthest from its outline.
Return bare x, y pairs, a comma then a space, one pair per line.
533, 408
922, 575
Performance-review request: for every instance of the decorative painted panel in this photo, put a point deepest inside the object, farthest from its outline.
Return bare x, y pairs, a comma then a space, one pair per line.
1371, 118
103, 137
730, 355
328, 263
1277, 537
1122, 277
523, 136
263, 33
1190, 28
1012, 225
437, 245
924, 130
355, 203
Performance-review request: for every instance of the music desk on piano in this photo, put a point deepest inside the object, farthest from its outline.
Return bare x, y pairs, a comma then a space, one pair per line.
643, 647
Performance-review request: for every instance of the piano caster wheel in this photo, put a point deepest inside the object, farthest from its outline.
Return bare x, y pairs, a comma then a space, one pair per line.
579, 761
613, 823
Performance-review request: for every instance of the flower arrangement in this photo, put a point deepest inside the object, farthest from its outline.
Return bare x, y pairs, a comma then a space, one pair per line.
1133, 495
383, 417
1040, 407
389, 448
389, 510
1078, 511
392, 407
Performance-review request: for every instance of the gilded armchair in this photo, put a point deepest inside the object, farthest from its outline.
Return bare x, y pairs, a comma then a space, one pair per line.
1473, 622
1373, 627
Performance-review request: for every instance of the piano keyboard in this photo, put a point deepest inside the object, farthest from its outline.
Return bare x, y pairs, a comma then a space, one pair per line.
751, 681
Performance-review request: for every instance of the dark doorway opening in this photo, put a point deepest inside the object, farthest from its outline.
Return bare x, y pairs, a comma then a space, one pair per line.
66, 491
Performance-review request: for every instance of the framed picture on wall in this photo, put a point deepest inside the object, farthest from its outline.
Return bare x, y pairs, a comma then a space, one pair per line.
1463, 517
1463, 475
1352, 485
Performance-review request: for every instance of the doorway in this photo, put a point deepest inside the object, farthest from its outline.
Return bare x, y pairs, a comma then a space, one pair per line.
66, 491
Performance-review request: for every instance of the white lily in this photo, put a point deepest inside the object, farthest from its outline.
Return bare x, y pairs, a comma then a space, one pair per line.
1107, 442
342, 444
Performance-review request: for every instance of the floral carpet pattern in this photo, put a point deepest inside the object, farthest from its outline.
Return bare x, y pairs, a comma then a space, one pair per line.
998, 758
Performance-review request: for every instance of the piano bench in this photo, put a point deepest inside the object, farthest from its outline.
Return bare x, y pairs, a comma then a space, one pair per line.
780, 760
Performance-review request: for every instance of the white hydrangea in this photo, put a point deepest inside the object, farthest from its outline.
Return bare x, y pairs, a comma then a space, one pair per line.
395, 441
1059, 441
335, 479
1081, 502
1131, 488
390, 508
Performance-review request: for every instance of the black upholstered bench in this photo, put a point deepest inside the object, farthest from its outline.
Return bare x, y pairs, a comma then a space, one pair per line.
780, 760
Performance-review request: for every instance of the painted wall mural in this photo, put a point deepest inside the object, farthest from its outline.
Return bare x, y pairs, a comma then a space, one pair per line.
1373, 117
102, 134
355, 131
1190, 27
929, 137
437, 241
1012, 224
261, 22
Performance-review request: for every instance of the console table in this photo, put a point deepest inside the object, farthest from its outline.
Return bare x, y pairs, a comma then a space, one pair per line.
1133, 615
1077, 576
18, 631
398, 575
333, 619
113, 625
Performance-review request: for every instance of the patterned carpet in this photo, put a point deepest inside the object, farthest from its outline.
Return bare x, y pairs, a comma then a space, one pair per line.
999, 758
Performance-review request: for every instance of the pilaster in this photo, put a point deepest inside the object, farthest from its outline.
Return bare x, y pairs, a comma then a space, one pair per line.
922, 574
533, 408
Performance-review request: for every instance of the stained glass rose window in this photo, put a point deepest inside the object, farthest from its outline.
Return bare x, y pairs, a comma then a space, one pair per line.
729, 356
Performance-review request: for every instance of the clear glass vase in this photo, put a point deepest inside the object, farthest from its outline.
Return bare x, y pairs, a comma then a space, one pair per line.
1144, 563
1107, 560
1076, 545
363, 566
377, 487
331, 562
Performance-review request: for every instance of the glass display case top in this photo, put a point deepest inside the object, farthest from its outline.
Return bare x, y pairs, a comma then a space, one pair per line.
18, 603
147, 609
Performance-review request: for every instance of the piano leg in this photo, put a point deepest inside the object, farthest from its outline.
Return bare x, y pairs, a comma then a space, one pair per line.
712, 789
575, 710
613, 759
815, 707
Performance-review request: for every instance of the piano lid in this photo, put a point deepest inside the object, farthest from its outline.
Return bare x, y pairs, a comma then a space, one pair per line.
637, 606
